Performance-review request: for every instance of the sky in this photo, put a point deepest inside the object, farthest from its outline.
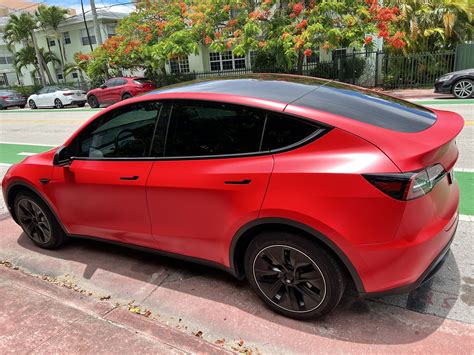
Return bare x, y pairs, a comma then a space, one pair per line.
113, 5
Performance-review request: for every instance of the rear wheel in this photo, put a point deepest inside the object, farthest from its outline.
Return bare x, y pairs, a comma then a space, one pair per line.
58, 103
32, 105
93, 102
463, 89
293, 275
37, 221
126, 96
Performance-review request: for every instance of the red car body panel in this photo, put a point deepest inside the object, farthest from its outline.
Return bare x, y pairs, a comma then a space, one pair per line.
185, 206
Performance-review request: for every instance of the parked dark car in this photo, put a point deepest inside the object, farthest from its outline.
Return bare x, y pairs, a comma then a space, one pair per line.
459, 83
10, 98
117, 89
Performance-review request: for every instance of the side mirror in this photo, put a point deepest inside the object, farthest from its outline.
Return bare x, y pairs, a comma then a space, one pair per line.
62, 157
103, 86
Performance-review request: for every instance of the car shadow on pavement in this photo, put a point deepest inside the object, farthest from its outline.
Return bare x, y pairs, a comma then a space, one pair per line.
127, 274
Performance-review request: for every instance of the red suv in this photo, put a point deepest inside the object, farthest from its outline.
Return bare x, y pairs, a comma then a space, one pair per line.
117, 89
299, 184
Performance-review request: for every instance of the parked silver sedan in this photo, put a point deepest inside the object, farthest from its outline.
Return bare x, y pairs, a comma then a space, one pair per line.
10, 98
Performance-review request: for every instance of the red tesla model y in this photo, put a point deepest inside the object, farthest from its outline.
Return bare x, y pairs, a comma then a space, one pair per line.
301, 185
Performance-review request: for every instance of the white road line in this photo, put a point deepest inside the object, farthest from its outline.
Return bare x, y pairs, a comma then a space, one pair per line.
5, 164
26, 153
466, 218
464, 170
37, 144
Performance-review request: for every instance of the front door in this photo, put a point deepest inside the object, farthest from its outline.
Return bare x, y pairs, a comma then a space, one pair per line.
210, 180
102, 192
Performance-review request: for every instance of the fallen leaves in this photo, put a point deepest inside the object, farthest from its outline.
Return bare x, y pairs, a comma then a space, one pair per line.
137, 310
198, 334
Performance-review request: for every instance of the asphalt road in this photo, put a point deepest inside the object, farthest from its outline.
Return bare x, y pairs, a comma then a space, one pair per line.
449, 296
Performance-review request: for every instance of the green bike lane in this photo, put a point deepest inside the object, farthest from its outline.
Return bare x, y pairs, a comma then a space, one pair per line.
11, 153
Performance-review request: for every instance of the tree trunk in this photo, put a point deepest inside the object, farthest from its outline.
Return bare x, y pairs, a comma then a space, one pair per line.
46, 69
39, 59
62, 57
299, 64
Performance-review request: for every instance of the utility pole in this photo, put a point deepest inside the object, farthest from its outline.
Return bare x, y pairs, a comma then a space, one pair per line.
98, 34
85, 24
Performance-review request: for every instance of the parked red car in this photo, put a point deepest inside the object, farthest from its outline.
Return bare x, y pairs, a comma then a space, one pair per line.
299, 184
118, 89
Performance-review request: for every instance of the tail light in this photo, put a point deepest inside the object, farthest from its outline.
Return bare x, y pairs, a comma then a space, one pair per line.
68, 93
4, 97
408, 186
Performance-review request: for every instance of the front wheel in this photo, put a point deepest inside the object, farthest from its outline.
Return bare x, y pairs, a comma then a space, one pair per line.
293, 275
58, 103
37, 221
32, 105
126, 96
463, 89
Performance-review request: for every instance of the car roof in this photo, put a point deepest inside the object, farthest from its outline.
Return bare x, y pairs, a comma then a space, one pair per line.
324, 95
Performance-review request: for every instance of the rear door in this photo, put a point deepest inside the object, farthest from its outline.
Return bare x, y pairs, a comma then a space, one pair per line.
211, 179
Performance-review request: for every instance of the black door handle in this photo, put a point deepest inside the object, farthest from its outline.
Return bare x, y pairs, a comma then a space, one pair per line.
129, 177
241, 182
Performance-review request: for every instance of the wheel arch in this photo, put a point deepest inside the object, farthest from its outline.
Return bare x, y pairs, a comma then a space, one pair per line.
245, 235
18, 186
126, 93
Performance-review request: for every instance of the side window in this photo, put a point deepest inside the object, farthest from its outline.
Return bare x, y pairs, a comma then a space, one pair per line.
110, 83
282, 131
205, 129
43, 90
122, 133
120, 82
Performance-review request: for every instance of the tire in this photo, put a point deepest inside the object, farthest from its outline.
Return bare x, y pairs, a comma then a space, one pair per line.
32, 105
45, 230
82, 104
463, 89
93, 102
126, 96
269, 266
58, 104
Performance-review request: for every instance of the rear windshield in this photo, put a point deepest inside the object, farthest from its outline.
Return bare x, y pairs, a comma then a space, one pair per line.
369, 107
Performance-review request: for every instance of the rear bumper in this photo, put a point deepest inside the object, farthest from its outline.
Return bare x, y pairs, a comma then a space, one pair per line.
432, 269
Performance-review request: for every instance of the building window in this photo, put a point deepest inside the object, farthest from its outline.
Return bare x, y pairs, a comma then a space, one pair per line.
6, 58
3, 79
338, 53
85, 38
67, 38
60, 76
226, 61
179, 65
51, 42
74, 75
110, 30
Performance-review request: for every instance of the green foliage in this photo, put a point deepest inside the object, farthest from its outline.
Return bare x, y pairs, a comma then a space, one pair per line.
26, 90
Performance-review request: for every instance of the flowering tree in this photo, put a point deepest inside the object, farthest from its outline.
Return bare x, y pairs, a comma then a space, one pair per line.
159, 31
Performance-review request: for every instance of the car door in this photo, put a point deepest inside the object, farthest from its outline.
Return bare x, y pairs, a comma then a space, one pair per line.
211, 179
106, 93
50, 96
101, 193
116, 92
40, 99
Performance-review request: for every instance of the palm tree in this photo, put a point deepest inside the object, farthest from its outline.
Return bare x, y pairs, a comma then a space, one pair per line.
25, 57
20, 29
49, 18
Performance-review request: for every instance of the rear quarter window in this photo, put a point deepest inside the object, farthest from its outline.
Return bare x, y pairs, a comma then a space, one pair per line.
282, 131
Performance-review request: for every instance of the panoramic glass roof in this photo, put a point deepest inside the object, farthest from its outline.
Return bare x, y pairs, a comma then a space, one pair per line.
324, 95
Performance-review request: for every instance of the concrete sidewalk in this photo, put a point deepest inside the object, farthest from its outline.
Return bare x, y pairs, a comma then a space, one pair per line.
37, 317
